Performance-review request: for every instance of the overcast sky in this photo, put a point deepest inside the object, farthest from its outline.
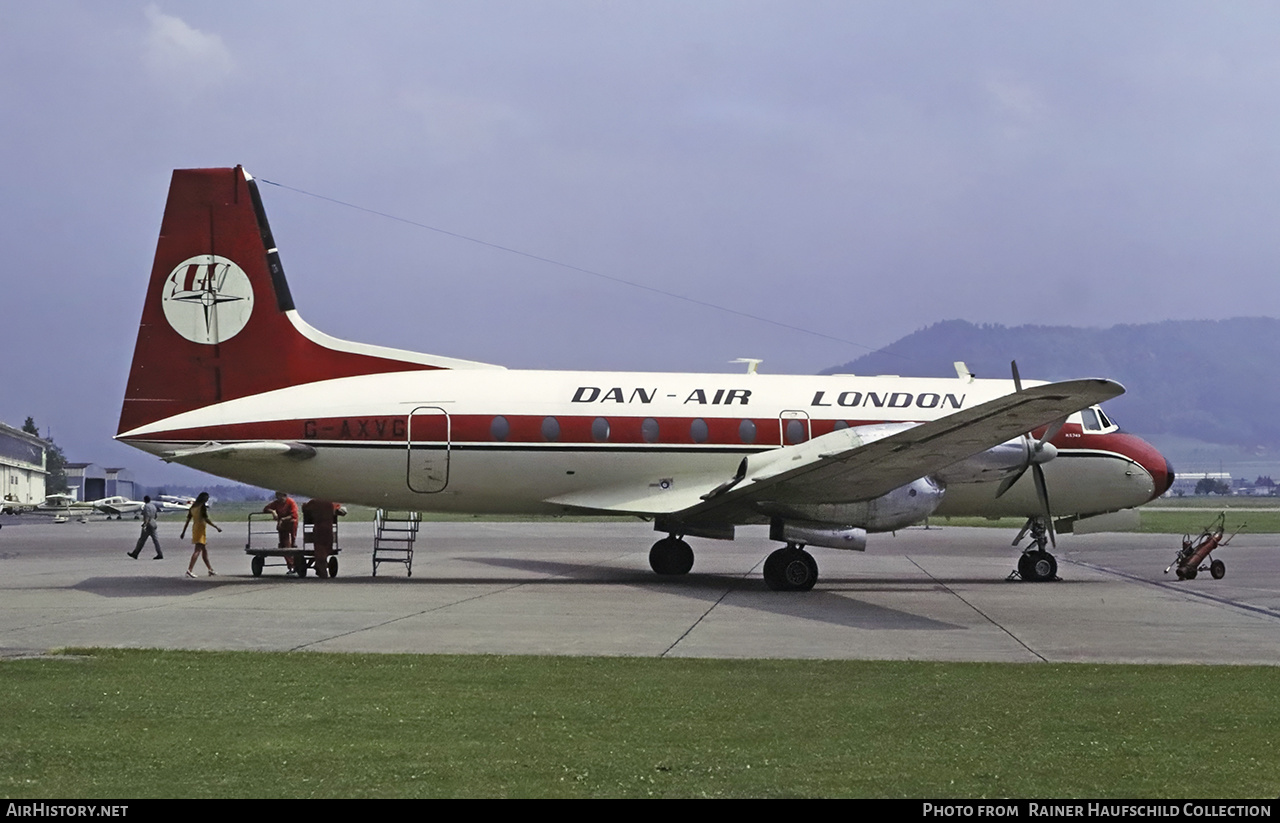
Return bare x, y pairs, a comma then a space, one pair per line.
861, 169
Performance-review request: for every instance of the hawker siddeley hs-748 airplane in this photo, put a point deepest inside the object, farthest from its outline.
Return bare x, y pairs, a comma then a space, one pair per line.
228, 379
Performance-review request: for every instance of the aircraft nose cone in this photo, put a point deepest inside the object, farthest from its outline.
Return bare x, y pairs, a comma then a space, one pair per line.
1147, 456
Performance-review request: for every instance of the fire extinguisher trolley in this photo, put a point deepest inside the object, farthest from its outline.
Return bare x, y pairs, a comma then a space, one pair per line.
1196, 551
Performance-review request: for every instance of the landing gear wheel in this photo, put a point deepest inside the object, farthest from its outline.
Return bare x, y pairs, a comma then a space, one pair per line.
790, 569
255, 565
300, 565
333, 566
1037, 566
671, 556
1218, 569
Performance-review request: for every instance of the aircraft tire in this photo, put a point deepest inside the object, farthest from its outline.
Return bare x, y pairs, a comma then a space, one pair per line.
333, 566
671, 556
790, 569
1038, 566
1218, 569
256, 564
300, 565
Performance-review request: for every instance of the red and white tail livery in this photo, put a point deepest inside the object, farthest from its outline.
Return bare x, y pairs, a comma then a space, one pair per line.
227, 378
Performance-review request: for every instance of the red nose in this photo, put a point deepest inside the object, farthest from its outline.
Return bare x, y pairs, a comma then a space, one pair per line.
1145, 455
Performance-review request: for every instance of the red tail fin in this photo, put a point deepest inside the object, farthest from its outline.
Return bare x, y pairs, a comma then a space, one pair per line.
218, 322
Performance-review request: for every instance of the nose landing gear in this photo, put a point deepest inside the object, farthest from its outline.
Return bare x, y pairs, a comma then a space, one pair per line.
1036, 565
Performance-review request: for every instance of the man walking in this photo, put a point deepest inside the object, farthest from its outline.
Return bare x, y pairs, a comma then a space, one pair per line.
149, 514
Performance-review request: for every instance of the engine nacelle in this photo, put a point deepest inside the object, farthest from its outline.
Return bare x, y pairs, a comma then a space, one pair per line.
896, 510
849, 538
997, 463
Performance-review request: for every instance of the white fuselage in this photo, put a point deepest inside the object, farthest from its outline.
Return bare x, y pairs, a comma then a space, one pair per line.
499, 441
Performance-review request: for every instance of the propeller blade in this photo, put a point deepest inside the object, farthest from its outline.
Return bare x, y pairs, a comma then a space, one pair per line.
1052, 431
1008, 482
1017, 379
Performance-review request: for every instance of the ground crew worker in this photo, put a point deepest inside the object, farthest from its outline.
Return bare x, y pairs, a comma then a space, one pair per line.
323, 516
285, 511
149, 514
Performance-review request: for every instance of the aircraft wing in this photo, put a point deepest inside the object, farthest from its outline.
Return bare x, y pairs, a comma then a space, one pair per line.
840, 467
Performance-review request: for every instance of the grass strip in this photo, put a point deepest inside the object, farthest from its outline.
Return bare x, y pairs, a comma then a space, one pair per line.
144, 723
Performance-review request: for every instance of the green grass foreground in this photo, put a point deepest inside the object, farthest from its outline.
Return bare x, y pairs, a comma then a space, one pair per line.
138, 724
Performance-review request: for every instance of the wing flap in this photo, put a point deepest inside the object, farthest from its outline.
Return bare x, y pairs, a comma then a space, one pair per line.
653, 499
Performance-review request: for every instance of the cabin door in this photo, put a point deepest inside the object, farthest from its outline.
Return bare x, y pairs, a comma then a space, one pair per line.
793, 427
428, 449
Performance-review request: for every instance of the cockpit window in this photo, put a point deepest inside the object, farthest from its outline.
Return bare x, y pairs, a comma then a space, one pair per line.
1093, 419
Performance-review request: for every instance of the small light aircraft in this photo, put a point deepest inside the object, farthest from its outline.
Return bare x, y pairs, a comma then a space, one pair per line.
228, 378
9, 504
118, 507
173, 503
66, 505
61, 507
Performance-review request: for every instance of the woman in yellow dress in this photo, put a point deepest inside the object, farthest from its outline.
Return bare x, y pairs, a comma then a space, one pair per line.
197, 519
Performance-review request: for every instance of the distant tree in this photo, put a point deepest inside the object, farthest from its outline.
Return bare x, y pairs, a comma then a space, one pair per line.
1211, 486
55, 462
1265, 480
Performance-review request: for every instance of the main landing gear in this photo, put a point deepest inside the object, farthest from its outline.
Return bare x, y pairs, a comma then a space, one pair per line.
1036, 565
671, 556
790, 569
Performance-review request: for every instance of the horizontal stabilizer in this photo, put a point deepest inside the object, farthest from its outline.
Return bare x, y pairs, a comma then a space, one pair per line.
258, 450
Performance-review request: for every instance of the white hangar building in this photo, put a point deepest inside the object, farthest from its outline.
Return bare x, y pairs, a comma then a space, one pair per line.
22, 466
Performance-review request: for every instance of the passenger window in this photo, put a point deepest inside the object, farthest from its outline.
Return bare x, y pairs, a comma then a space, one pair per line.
698, 431
600, 430
747, 431
795, 431
840, 424
649, 430
550, 429
500, 429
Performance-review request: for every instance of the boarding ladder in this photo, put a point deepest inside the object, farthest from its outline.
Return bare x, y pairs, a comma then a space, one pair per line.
393, 536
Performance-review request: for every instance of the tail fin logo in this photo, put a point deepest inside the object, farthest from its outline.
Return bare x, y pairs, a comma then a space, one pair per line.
207, 299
